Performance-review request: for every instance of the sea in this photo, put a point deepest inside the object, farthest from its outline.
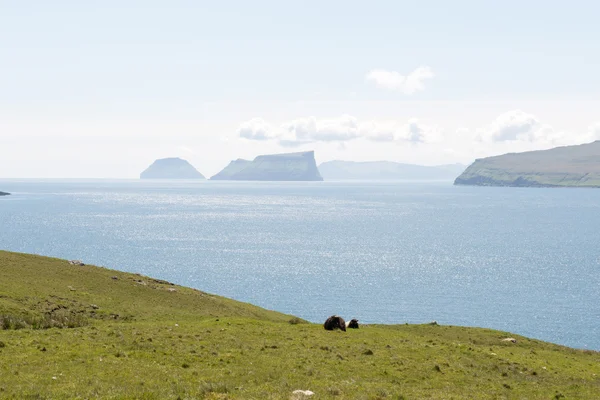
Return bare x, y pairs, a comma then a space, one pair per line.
521, 260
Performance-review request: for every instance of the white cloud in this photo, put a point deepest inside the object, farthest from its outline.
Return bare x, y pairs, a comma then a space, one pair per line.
415, 133
512, 125
329, 130
593, 132
407, 84
519, 126
340, 130
512, 131
256, 129
547, 134
520, 129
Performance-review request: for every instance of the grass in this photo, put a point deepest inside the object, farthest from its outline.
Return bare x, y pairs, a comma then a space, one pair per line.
140, 338
569, 166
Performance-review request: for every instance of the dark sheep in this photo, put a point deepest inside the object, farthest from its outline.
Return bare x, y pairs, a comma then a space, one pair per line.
352, 324
335, 322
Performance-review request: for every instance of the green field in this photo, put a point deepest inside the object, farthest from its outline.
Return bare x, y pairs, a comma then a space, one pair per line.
70, 331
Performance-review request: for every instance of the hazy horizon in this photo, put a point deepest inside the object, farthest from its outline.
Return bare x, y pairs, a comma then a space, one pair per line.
101, 91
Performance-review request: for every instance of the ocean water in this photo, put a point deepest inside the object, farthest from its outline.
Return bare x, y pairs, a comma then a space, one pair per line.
515, 259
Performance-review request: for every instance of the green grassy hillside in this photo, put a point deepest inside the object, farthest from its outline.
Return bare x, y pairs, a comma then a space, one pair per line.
569, 166
71, 331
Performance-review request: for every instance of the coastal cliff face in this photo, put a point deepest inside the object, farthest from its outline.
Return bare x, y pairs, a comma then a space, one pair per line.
171, 168
275, 167
570, 166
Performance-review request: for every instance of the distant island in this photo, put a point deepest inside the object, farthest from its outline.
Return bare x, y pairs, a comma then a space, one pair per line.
388, 170
171, 168
569, 166
274, 167
230, 170
4, 194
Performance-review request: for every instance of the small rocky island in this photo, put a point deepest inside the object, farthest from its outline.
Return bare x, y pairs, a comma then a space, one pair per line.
171, 168
569, 166
274, 167
4, 194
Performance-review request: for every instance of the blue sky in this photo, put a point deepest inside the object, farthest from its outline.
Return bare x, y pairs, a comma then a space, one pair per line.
101, 89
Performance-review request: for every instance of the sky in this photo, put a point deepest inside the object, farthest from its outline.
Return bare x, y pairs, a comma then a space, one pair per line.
102, 89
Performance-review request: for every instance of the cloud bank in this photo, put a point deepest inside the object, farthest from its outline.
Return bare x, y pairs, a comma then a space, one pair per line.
255, 129
518, 126
340, 130
514, 130
513, 125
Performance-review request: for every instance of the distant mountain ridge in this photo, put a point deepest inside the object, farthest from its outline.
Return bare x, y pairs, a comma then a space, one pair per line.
171, 168
387, 170
273, 167
568, 166
4, 194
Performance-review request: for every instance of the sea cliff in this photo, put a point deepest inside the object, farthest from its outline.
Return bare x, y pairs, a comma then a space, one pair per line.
273, 167
569, 166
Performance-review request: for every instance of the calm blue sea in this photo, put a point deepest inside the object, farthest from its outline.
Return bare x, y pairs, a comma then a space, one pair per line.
516, 259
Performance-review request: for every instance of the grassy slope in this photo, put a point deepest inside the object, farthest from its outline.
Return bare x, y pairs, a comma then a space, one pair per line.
570, 166
188, 344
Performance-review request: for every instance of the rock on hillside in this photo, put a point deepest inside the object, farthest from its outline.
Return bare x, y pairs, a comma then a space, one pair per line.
569, 166
275, 167
171, 168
